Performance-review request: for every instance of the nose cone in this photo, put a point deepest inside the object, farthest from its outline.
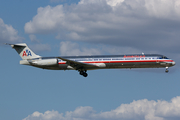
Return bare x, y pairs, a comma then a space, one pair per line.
173, 63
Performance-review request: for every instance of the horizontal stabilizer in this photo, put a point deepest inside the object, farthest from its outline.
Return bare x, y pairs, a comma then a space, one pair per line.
17, 45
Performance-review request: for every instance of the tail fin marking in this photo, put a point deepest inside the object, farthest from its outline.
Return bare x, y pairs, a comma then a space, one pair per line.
24, 51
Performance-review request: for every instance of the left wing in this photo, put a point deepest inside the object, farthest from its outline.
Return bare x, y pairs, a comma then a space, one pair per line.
78, 65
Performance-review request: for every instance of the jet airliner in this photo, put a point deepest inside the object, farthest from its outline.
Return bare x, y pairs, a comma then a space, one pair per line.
91, 62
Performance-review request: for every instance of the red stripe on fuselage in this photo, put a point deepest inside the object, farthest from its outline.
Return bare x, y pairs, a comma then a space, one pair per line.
126, 61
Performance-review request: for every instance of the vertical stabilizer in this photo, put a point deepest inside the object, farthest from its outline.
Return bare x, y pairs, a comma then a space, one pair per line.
24, 51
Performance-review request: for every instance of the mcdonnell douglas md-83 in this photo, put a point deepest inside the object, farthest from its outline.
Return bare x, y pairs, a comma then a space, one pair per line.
91, 62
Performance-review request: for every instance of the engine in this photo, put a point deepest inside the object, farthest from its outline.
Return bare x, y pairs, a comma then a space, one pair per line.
45, 62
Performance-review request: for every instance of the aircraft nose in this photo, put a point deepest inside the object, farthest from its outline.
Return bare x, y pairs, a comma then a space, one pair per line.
173, 63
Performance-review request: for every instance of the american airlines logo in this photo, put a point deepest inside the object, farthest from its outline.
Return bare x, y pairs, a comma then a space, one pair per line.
26, 53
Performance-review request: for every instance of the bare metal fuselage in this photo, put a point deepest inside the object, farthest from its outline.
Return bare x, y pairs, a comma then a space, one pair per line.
84, 63
102, 62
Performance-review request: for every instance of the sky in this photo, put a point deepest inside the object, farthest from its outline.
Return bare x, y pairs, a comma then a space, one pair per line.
89, 27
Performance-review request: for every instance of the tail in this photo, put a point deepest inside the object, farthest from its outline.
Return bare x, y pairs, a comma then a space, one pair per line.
24, 51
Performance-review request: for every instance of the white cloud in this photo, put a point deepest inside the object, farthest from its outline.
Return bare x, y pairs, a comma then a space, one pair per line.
33, 38
47, 20
57, 1
40, 47
169, 9
8, 33
114, 2
109, 2
137, 110
48, 115
71, 48
141, 24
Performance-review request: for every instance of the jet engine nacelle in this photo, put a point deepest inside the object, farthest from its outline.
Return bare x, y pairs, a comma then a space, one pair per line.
46, 62
101, 65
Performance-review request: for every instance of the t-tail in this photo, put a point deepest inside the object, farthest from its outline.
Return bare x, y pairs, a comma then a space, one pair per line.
24, 52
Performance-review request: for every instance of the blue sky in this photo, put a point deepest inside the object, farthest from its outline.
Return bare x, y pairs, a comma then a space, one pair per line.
73, 27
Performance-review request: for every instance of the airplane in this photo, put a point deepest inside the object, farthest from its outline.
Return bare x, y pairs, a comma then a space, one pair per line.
91, 62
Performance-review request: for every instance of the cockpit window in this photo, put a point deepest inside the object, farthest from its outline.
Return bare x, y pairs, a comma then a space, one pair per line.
163, 57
